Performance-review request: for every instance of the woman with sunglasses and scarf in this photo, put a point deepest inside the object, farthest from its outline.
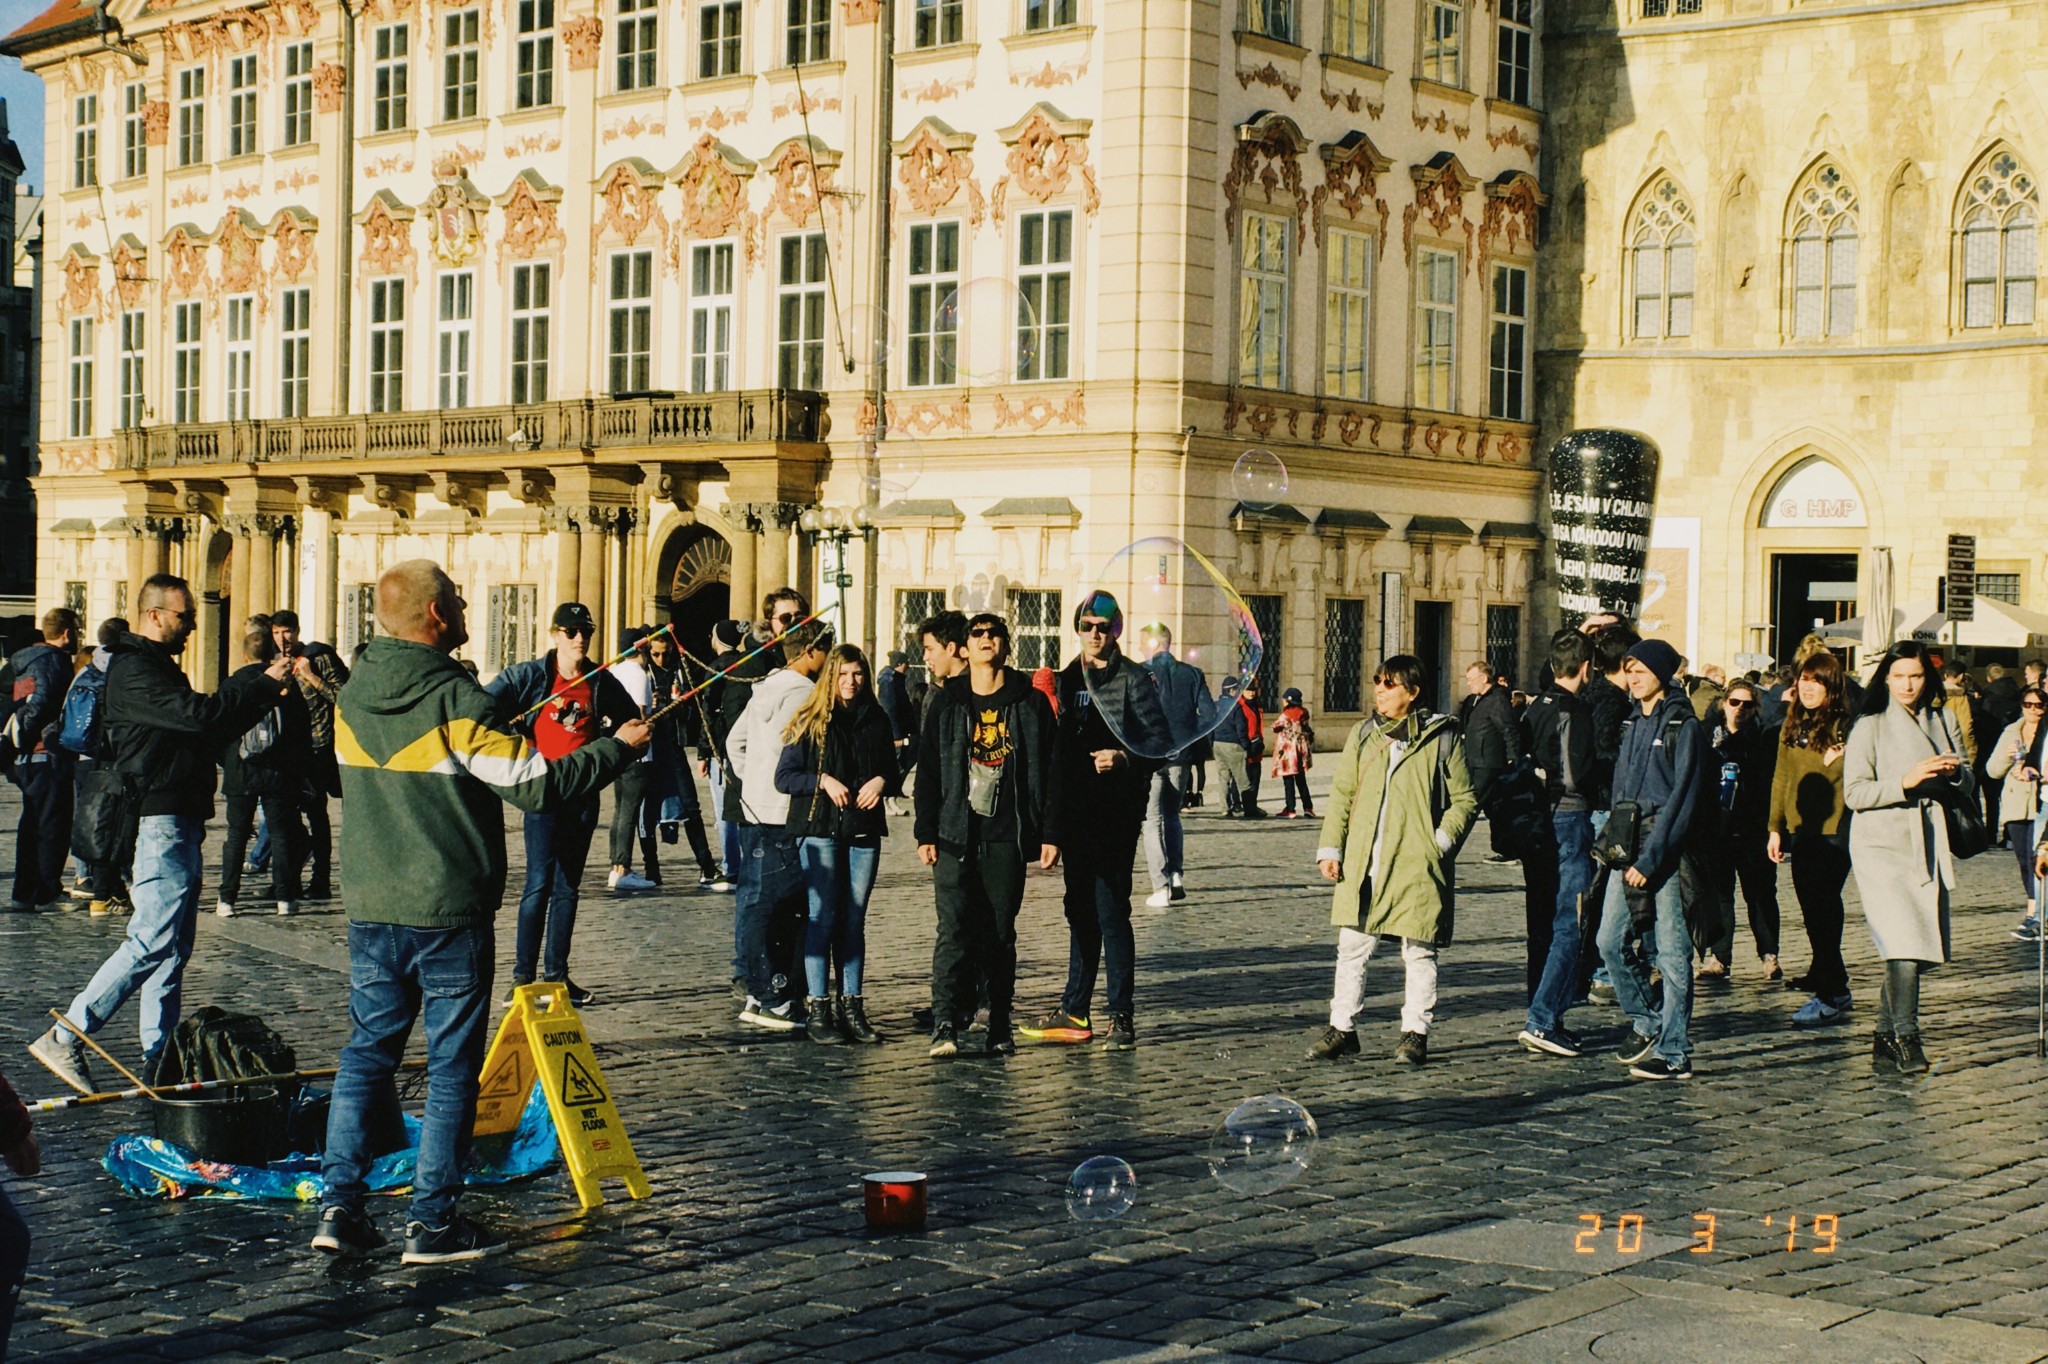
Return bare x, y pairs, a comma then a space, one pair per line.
1734, 834
2015, 762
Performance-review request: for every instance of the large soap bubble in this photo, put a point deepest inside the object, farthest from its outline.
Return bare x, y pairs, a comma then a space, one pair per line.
994, 330
865, 339
1175, 613
1259, 480
897, 466
1101, 1189
1263, 1145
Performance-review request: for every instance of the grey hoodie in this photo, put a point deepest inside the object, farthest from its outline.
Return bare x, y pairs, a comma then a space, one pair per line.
755, 744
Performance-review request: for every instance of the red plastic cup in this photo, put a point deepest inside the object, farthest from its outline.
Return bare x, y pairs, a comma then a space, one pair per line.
895, 1200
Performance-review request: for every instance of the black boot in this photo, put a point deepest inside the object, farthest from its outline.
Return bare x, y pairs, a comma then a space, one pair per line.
853, 1021
1882, 1057
700, 846
820, 1024
1912, 1060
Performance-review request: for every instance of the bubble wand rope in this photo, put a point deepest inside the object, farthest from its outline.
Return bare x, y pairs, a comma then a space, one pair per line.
727, 669
611, 662
187, 1087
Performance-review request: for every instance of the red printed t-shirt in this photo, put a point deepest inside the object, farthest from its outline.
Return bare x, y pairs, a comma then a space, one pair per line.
565, 723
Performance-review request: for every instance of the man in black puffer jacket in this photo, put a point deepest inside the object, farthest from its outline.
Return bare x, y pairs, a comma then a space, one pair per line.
267, 768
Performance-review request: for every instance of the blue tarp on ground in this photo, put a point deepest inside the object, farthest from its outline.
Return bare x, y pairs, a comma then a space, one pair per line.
157, 1169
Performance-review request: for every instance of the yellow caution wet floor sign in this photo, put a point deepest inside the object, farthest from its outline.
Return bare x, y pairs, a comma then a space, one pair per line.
543, 1039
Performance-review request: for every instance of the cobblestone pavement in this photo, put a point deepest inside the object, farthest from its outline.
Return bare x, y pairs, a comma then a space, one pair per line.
1442, 1215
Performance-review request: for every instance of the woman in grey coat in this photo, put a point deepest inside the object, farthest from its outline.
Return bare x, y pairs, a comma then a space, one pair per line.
1903, 762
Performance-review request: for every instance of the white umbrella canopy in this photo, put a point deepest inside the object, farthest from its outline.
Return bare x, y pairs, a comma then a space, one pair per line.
1997, 626
1881, 606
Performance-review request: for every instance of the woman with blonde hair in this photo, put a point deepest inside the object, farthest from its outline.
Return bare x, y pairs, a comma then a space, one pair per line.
837, 766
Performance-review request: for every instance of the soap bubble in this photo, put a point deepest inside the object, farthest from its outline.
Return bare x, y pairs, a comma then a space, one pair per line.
898, 465
1263, 1145
1101, 1189
992, 330
1258, 480
1172, 599
859, 330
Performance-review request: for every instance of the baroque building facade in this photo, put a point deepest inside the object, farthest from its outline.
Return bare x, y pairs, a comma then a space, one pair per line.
595, 298
1797, 245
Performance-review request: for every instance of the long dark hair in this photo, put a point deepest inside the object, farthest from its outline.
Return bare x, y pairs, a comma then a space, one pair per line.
1877, 698
1827, 724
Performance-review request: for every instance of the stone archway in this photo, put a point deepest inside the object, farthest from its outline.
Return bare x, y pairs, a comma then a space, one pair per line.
694, 585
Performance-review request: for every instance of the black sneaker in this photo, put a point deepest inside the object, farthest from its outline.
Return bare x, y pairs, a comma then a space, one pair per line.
579, 998
1657, 1068
945, 1040
1002, 1039
346, 1231
1122, 1036
1335, 1043
461, 1239
1550, 1042
511, 990
1413, 1049
1635, 1049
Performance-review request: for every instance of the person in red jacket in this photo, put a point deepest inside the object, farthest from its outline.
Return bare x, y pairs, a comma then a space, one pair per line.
18, 1148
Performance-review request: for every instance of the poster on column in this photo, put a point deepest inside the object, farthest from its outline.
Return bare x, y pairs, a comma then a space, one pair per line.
1671, 585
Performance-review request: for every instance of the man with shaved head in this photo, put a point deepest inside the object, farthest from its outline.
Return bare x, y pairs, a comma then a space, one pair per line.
424, 766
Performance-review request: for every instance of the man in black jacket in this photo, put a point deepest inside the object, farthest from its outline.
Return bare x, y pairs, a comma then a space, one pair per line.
1560, 729
1607, 698
266, 768
320, 675
161, 735
1492, 742
987, 804
42, 675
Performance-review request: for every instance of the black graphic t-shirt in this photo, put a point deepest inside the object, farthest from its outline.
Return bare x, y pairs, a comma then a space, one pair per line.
988, 750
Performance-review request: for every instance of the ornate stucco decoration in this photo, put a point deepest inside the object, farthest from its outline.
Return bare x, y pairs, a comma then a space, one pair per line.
713, 180
1048, 157
455, 211
1266, 163
628, 210
131, 270
582, 38
1352, 168
387, 238
1440, 190
800, 176
530, 224
292, 231
1513, 202
185, 262
933, 166
81, 291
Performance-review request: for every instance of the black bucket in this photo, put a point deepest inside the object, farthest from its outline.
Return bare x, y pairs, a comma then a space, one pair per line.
244, 1125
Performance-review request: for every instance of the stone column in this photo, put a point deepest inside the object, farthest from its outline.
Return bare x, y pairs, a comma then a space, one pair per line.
773, 567
264, 531
591, 574
568, 539
243, 528
745, 594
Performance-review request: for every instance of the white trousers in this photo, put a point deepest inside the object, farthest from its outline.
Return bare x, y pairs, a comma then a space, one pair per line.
1354, 950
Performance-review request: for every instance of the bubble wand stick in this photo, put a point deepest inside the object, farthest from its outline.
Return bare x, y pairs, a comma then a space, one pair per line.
727, 669
614, 661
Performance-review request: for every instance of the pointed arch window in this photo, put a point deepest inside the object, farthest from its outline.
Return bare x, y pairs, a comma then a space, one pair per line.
1999, 243
1661, 243
1821, 255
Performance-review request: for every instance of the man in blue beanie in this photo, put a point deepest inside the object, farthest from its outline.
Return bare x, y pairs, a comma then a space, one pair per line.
1657, 780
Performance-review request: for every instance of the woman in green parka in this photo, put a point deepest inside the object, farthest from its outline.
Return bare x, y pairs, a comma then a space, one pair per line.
1399, 809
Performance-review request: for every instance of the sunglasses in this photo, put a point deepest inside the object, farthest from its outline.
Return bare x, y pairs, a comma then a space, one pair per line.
2030, 705
575, 631
984, 632
1740, 705
1092, 627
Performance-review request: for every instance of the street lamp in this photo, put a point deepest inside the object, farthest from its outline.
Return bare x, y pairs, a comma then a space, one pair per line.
837, 525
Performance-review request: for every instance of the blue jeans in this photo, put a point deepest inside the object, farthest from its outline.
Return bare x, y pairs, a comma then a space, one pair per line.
395, 974
840, 875
557, 846
1163, 837
169, 862
1572, 833
770, 874
1673, 952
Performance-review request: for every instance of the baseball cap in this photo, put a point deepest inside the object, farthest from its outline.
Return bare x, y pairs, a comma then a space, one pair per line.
574, 615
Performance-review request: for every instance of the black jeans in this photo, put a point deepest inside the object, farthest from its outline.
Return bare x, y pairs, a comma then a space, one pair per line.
43, 839
1819, 871
628, 793
1293, 785
1539, 905
287, 844
1098, 904
978, 894
1744, 857
557, 846
13, 1265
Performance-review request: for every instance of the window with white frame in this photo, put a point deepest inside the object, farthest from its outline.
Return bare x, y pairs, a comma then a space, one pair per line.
931, 334
938, 23
79, 394
532, 301
185, 358
1514, 64
634, 35
1436, 328
390, 77
461, 58
1355, 30
1443, 45
241, 355
1036, 628
134, 341
1821, 255
1507, 365
295, 353
1347, 314
1270, 18
629, 345
85, 141
1668, 9
800, 311
2000, 243
298, 95
718, 39
1661, 264
1043, 15
455, 337
192, 116
534, 84
242, 106
511, 621
1045, 277
809, 38
1262, 286
711, 307
387, 345
134, 130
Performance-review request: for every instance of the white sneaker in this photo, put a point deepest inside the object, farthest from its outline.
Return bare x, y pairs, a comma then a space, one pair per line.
225, 910
630, 881
1160, 899
612, 882
287, 908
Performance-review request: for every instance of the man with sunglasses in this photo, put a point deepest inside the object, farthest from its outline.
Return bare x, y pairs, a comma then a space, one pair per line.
162, 737
1734, 836
1109, 717
561, 702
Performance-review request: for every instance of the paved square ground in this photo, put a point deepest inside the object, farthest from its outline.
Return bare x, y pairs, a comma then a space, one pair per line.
1449, 1210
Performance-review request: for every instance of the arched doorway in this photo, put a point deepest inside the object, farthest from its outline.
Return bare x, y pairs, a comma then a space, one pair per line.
1812, 528
695, 585
219, 643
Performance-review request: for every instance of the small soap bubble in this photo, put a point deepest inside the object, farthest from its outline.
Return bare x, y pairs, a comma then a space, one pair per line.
1262, 1145
1172, 611
895, 470
989, 329
1259, 480
1101, 1189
